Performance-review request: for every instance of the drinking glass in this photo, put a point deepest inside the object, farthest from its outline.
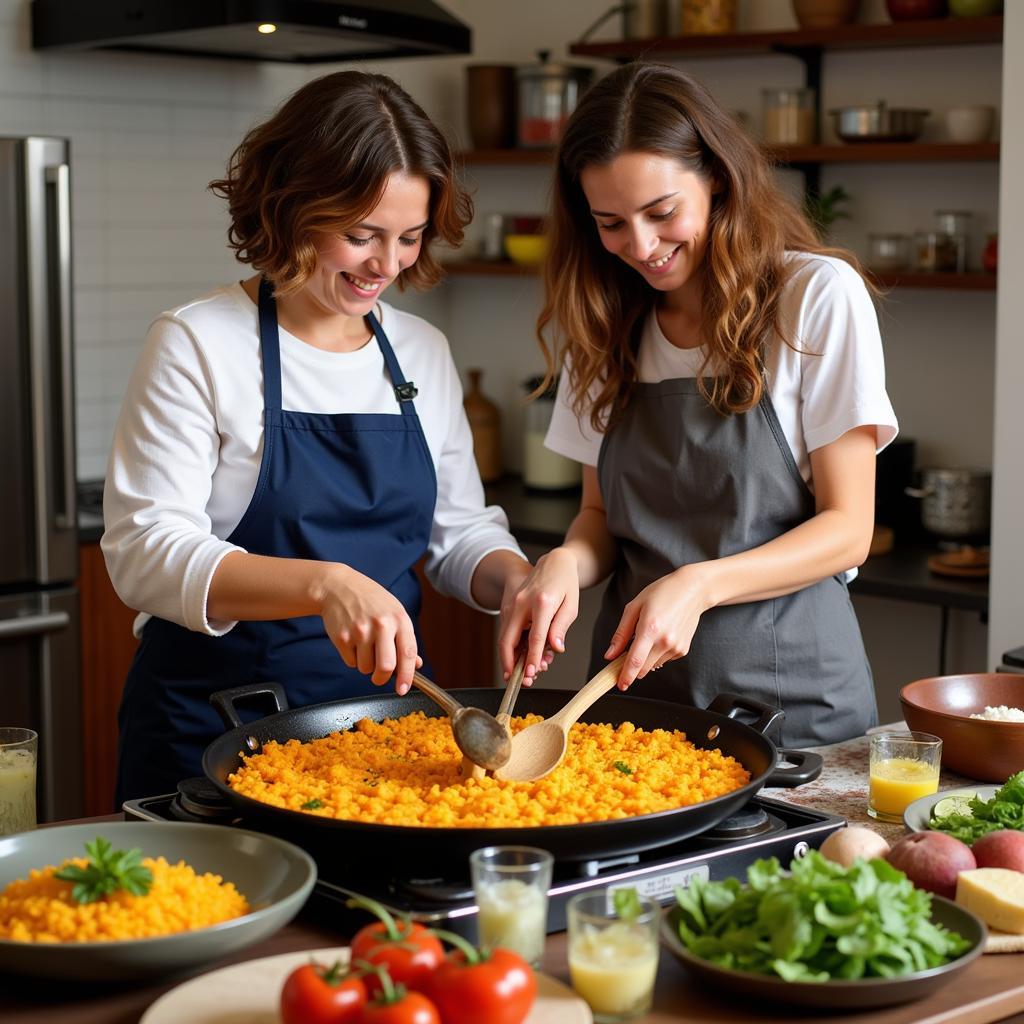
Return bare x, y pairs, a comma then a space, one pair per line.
612, 961
511, 886
902, 766
18, 748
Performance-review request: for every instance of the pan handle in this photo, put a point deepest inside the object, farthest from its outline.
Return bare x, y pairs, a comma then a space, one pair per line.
806, 767
730, 704
224, 700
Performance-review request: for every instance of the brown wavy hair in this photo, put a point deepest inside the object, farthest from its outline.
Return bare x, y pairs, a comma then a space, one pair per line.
595, 305
321, 164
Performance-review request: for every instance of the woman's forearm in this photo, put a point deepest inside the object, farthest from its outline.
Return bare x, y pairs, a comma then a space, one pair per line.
592, 545
258, 588
492, 573
831, 542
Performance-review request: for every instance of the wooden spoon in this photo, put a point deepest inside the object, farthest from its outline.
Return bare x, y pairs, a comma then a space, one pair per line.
470, 770
538, 749
477, 734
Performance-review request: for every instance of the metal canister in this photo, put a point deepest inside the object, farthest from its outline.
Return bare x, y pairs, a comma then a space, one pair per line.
548, 94
955, 503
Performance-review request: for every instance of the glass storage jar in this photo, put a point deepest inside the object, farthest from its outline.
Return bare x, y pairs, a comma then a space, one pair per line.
788, 117
888, 251
957, 224
935, 251
548, 94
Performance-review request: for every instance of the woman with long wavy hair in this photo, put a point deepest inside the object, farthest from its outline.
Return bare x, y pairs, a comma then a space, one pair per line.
722, 382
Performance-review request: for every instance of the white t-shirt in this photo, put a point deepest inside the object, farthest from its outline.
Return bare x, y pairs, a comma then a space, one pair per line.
189, 440
832, 380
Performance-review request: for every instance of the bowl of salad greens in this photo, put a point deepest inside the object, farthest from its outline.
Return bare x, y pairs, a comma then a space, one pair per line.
819, 934
968, 814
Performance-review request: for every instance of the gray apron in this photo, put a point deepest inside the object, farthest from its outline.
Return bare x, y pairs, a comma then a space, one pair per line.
682, 483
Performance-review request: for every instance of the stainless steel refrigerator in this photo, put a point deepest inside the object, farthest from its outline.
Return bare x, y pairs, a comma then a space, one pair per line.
39, 634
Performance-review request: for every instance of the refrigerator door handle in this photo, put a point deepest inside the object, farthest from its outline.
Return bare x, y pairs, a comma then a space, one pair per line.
33, 625
59, 177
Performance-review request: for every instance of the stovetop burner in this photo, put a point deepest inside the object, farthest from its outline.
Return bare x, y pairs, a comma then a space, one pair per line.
765, 827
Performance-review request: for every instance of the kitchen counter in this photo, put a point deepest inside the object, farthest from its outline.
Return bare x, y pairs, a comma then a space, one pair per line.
991, 989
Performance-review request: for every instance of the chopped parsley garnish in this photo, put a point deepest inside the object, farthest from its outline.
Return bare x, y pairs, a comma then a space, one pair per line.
623, 767
312, 805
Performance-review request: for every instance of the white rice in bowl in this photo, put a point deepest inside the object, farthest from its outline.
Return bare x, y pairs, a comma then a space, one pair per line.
1001, 714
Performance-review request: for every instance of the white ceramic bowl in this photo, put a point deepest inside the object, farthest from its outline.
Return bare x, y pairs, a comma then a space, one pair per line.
970, 122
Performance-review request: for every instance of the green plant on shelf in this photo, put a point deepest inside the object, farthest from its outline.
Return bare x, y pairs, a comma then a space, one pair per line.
823, 209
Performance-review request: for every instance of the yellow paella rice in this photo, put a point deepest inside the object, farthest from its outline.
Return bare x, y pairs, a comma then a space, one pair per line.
40, 908
405, 771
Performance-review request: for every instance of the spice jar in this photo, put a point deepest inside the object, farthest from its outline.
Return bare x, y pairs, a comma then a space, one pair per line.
543, 469
707, 17
888, 251
788, 117
957, 224
548, 94
936, 251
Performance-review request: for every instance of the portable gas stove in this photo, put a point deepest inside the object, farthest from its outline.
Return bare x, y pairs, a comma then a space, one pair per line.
763, 828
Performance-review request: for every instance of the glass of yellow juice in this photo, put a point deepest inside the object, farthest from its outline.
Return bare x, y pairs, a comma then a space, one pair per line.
613, 960
902, 767
17, 780
511, 885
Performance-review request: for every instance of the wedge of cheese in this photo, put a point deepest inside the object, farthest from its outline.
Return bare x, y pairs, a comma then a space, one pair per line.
996, 895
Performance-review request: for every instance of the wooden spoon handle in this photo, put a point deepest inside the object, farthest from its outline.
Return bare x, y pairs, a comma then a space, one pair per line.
515, 681
597, 687
436, 694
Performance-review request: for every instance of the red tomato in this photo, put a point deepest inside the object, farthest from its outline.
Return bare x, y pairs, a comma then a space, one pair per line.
315, 994
410, 1008
499, 988
410, 952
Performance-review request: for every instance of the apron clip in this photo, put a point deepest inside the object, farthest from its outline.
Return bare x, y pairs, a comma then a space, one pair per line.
406, 392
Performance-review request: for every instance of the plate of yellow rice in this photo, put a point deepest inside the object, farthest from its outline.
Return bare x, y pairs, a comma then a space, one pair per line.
207, 891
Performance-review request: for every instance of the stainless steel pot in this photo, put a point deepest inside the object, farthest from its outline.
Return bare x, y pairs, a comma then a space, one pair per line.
956, 503
878, 123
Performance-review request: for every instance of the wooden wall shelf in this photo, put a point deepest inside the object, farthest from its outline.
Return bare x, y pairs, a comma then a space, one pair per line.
840, 153
938, 32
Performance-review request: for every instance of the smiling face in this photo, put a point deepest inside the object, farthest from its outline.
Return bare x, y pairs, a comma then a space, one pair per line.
355, 266
652, 213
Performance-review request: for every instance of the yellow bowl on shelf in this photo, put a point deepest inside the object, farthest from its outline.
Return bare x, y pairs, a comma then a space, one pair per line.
526, 250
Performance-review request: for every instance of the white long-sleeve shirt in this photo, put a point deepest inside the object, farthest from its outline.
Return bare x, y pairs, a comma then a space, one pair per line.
188, 443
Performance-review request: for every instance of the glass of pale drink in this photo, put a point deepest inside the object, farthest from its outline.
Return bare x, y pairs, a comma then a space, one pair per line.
18, 748
613, 959
511, 886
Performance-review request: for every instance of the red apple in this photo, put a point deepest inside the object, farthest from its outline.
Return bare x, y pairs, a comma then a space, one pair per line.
932, 860
1001, 849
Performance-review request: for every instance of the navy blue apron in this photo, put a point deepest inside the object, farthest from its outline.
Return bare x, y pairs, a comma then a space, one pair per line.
355, 488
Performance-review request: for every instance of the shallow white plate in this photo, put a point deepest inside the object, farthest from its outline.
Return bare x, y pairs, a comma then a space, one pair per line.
248, 993
919, 813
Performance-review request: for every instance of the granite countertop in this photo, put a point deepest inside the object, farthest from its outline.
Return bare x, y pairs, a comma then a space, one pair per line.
842, 787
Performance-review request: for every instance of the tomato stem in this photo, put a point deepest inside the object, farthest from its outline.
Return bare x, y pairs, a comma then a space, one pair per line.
380, 912
468, 950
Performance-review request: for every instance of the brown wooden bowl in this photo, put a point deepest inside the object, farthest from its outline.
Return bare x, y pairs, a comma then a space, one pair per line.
975, 747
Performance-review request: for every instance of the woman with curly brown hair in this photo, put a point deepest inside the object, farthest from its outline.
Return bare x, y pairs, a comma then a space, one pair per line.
290, 446
722, 383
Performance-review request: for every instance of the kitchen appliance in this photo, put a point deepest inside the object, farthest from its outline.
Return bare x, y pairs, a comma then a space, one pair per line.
39, 646
291, 31
956, 503
764, 827
876, 122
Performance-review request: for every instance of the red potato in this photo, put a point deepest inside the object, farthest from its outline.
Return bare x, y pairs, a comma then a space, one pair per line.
1001, 849
932, 860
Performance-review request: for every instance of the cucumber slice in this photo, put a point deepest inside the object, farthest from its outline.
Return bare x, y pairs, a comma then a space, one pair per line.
959, 803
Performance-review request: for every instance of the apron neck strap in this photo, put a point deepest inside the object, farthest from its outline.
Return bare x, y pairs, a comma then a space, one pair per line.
270, 347
405, 391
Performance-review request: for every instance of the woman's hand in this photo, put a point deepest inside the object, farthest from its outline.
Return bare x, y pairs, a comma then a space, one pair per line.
369, 626
546, 603
661, 621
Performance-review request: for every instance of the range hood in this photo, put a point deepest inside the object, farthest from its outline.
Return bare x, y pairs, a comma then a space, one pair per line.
290, 31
